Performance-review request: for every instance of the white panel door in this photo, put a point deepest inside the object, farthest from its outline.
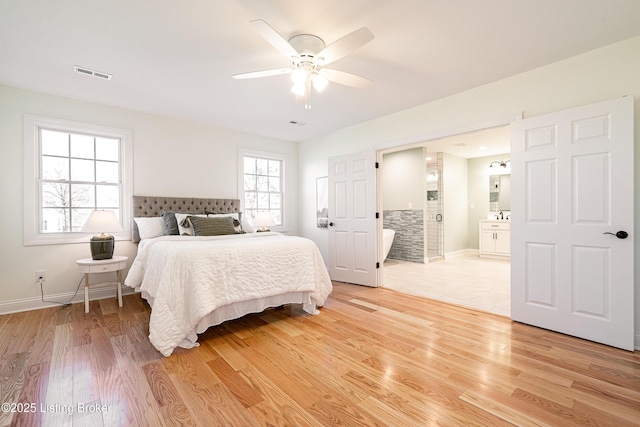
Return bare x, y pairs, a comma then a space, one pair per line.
352, 219
572, 192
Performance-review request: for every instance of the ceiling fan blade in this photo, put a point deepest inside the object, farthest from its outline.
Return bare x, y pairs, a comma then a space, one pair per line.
344, 46
346, 79
275, 39
265, 73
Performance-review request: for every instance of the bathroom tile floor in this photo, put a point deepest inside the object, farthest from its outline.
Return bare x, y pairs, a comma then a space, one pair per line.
466, 280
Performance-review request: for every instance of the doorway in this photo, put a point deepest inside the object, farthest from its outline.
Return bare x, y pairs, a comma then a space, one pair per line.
456, 192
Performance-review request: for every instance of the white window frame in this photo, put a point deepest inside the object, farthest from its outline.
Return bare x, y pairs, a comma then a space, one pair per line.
283, 158
32, 193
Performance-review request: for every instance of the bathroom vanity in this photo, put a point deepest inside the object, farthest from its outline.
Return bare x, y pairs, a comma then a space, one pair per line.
495, 239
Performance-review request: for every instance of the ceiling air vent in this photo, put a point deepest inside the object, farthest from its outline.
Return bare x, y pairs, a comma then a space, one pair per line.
94, 73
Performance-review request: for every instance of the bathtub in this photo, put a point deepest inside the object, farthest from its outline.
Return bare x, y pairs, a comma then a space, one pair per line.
387, 240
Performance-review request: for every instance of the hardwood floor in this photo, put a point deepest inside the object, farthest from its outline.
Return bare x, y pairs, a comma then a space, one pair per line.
372, 357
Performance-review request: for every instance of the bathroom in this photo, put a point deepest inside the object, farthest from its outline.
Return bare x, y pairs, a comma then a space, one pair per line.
434, 197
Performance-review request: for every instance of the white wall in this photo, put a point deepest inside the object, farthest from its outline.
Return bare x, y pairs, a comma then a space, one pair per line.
455, 194
403, 179
171, 158
602, 74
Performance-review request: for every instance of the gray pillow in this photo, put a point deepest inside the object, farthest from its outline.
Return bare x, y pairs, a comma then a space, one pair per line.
212, 226
170, 223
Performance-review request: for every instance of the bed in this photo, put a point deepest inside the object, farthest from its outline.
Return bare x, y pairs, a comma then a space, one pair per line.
193, 282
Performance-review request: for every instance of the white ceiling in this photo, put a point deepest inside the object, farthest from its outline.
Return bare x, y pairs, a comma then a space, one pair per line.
176, 58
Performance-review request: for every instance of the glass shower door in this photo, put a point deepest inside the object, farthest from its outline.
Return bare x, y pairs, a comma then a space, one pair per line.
434, 245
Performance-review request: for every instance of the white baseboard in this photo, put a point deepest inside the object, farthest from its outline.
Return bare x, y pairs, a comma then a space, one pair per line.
56, 300
636, 344
460, 253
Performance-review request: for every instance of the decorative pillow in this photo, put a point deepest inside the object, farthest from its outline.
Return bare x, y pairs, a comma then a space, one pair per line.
150, 227
212, 226
184, 225
170, 223
237, 222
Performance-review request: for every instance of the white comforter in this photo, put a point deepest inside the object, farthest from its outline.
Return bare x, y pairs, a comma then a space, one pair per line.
187, 278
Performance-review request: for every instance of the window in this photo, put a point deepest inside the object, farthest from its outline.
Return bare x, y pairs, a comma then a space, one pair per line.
72, 169
263, 187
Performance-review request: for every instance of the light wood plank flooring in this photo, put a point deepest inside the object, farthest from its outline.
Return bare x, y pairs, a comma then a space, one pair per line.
372, 357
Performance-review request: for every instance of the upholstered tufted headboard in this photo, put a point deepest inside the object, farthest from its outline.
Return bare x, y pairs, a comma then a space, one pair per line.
153, 205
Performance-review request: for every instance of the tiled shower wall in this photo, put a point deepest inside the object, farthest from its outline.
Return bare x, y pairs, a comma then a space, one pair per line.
408, 244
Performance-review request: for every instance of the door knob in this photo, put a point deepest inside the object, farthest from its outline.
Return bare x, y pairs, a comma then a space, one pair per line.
619, 234
331, 224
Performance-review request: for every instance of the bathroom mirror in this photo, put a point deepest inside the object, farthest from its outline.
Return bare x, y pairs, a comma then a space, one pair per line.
499, 193
322, 202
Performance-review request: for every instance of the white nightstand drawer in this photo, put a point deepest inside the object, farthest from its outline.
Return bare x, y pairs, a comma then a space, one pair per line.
105, 268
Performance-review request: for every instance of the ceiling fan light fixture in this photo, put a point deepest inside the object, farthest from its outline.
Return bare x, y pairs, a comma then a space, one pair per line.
299, 88
308, 54
299, 76
320, 82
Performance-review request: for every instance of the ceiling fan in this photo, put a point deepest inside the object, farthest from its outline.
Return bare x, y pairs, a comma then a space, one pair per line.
308, 55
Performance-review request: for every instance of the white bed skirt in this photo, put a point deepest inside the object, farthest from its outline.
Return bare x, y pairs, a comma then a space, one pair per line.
240, 309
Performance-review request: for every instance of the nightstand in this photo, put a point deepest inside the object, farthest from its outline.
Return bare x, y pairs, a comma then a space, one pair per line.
89, 266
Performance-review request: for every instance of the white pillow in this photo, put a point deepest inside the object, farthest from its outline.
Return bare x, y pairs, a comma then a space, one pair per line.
185, 230
150, 227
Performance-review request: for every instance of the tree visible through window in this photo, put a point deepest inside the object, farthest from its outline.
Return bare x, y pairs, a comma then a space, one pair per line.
78, 174
263, 190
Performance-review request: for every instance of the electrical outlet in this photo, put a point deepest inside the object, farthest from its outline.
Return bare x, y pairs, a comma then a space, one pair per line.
41, 275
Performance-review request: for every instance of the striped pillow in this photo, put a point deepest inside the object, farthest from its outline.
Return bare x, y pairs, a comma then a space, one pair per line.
213, 226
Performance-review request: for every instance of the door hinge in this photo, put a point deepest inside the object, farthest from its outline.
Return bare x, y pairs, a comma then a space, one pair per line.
377, 265
377, 215
377, 165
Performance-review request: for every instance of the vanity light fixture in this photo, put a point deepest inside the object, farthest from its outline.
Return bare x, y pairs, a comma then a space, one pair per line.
502, 164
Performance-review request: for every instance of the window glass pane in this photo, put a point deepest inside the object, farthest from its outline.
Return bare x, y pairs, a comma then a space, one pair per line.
55, 220
79, 217
55, 194
277, 217
108, 196
107, 149
107, 172
55, 168
262, 166
250, 215
249, 165
74, 172
263, 187
263, 183
250, 200
274, 201
274, 167
82, 146
82, 170
274, 184
83, 196
263, 201
250, 182
54, 143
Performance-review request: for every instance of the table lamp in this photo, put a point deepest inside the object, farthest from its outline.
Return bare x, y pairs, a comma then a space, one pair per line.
263, 220
102, 244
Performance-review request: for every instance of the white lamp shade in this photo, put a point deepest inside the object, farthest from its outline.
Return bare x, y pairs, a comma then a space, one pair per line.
101, 222
263, 219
